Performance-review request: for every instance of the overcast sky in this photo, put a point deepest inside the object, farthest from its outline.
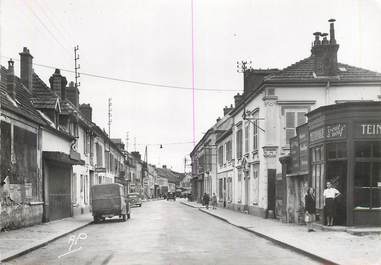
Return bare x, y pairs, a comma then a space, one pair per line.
151, 41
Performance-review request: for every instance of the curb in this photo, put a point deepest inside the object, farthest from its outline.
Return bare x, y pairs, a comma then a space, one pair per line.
278, 242
42, 243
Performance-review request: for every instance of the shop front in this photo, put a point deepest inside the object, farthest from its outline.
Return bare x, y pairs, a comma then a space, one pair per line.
345, 149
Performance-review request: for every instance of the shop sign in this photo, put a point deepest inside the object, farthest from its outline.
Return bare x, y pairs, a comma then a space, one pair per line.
371, 129
317, 134
336, 131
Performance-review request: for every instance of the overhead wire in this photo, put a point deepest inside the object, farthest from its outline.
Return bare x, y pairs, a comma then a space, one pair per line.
132, 81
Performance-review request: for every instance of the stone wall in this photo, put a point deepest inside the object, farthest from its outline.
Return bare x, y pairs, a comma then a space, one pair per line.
13, 216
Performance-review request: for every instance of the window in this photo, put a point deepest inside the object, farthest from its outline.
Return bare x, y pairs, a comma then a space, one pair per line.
221, 155
99, 155
317, 174
336, 150
293, 120
246, 138
230, 189
239, 143
228, 150
220, 189
367, 179
255, 135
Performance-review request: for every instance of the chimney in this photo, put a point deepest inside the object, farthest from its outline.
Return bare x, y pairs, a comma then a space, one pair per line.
11, 80
325, 53
58, 83
165, 166
237, 99
26, 68
86, 111
218, 119
228, 109
72, 94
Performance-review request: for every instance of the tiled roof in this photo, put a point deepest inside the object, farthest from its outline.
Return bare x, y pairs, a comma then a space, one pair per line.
43, 96
22, 104
304, 71
44, 103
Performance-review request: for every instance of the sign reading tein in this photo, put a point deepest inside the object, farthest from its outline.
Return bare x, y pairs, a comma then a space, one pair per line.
371, 129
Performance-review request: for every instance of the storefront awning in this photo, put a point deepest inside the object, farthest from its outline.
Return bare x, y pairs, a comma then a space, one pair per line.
62, 158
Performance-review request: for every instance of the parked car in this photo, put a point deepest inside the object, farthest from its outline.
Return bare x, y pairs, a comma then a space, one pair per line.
134, 199
171, 196
109, 200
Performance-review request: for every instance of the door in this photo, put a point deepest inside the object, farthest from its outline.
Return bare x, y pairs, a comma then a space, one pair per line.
59, 191
247, 190
271, 189
337, 175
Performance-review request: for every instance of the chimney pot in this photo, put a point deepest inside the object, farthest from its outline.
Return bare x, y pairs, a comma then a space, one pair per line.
11, 82
11, 68
332, 39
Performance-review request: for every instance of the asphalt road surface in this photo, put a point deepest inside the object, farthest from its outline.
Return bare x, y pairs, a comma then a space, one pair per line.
162, 232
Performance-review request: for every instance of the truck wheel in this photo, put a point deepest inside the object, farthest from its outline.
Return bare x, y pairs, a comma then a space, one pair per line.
124, 217
129, 216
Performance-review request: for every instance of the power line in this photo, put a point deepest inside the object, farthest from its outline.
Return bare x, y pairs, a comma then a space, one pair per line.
46, 27
132, 81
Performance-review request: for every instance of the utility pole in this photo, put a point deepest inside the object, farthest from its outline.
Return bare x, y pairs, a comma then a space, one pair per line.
127, 138
109, 117
243, 67
77, 66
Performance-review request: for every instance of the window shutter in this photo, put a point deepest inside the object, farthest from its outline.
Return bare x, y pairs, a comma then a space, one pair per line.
301, 118
290, 119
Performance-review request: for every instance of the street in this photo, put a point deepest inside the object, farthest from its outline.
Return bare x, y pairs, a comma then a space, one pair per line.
162, 232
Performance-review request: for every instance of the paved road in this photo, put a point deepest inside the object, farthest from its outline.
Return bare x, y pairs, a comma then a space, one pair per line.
162, 232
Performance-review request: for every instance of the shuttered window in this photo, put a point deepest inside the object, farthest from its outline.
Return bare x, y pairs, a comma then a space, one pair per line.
293, 120
228, 149
221, 155
247, 138
239, 143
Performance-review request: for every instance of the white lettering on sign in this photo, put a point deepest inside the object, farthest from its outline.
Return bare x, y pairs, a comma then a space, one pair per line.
371, 129
317, 134
335, 130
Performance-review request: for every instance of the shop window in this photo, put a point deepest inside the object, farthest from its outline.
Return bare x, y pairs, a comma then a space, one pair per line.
367, 185
317, 176
363, 149
336, 150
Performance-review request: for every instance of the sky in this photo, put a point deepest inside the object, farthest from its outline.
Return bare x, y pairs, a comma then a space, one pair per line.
150, 41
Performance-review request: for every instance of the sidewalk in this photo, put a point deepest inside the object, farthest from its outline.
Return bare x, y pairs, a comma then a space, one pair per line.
328, 246
18, 242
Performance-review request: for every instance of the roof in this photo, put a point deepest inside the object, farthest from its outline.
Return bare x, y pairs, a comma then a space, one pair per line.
304, 71
172, 176
22, 104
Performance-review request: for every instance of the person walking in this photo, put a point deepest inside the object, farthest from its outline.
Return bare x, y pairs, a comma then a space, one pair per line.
310, 208
330, 194
206, 200
214, 201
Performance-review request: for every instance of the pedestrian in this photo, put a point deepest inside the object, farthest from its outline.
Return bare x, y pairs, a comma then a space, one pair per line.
206, 200
330, 194
214, 201
310, 208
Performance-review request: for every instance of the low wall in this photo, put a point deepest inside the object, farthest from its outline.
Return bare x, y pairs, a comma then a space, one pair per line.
20, 215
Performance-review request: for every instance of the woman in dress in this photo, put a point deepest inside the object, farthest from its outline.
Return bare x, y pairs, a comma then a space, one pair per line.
310, 208
330, 194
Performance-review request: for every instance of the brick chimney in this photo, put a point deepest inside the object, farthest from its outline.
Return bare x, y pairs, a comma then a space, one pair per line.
324, 52
58, 84
237, 99
86, 111
11, 80
228, 109
165, 166
26, 68
72, 94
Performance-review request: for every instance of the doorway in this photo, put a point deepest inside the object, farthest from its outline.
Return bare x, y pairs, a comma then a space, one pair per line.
337, 175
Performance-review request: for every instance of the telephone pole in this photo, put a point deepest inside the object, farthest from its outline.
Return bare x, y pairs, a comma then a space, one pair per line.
109, 117
77, 66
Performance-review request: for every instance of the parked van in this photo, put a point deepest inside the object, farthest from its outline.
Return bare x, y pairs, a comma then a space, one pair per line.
109, 200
